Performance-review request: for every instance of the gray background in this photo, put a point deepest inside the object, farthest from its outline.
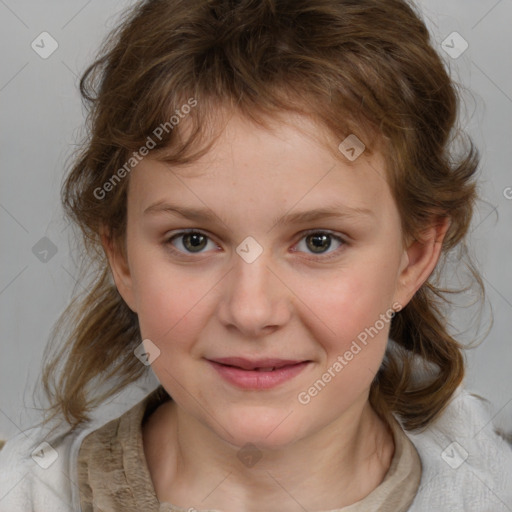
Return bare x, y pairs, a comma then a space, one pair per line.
41, 118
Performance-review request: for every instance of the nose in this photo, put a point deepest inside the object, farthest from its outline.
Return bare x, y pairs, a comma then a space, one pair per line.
254, 300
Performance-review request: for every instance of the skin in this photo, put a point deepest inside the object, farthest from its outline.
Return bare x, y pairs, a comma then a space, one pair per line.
289, 303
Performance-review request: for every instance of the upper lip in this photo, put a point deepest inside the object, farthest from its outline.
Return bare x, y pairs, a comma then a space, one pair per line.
247, 364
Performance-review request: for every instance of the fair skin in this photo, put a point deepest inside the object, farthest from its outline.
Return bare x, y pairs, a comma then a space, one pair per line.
289, 303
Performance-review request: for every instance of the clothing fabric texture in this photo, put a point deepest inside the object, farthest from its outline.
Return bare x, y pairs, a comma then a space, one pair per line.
113, 457
465, 466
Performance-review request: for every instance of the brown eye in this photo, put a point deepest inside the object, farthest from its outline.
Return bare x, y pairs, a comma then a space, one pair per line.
194, 242
319, 242
189, 242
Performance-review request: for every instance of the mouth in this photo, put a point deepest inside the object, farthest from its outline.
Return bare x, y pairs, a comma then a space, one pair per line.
265, 365
257, 374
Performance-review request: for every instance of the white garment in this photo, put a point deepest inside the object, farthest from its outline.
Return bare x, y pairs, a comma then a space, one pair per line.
466, 467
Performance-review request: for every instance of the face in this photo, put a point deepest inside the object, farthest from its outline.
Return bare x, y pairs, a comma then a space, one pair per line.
254, 273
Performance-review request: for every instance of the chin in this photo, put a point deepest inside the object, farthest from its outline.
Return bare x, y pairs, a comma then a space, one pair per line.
272, 429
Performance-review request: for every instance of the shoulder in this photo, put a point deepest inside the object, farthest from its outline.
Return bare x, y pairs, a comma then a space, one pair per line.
466, 466
37, 470
39, 467
104, 446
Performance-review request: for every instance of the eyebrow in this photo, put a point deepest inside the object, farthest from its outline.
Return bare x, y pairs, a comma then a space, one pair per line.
206, 215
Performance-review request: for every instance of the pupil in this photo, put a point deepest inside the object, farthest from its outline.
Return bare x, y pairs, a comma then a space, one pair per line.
197, 241
320, 242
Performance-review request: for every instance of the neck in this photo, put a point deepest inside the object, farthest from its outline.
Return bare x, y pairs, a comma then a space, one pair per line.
332, 468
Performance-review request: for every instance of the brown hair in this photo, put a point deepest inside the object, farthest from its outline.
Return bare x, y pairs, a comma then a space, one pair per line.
366, 68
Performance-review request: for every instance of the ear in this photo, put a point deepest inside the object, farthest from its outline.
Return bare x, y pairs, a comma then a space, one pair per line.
120, 268
419, 260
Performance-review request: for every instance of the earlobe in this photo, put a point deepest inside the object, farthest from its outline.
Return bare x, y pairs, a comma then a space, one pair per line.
120, 270
420, 259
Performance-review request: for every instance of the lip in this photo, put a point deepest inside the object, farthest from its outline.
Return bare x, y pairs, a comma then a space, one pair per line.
244, 374
251, 364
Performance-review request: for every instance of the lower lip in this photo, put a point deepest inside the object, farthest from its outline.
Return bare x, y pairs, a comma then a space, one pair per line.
254, 379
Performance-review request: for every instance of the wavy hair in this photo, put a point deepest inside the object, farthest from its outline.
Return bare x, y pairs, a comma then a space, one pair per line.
365, 67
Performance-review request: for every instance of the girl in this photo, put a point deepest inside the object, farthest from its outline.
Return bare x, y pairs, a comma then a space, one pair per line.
268, 190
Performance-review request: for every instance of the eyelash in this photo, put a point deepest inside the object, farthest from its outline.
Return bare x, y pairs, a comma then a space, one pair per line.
319, 256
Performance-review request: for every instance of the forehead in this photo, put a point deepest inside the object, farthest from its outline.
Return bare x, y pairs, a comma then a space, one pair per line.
292, 161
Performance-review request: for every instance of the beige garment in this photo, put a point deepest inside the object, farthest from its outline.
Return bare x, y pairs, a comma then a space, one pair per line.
113, 474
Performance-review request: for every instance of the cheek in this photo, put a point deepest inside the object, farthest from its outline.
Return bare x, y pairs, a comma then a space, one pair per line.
170, 299
353, 317
344, 304
351, 323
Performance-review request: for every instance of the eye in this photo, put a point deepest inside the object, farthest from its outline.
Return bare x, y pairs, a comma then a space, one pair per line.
314, 242
319, 242
191, 242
